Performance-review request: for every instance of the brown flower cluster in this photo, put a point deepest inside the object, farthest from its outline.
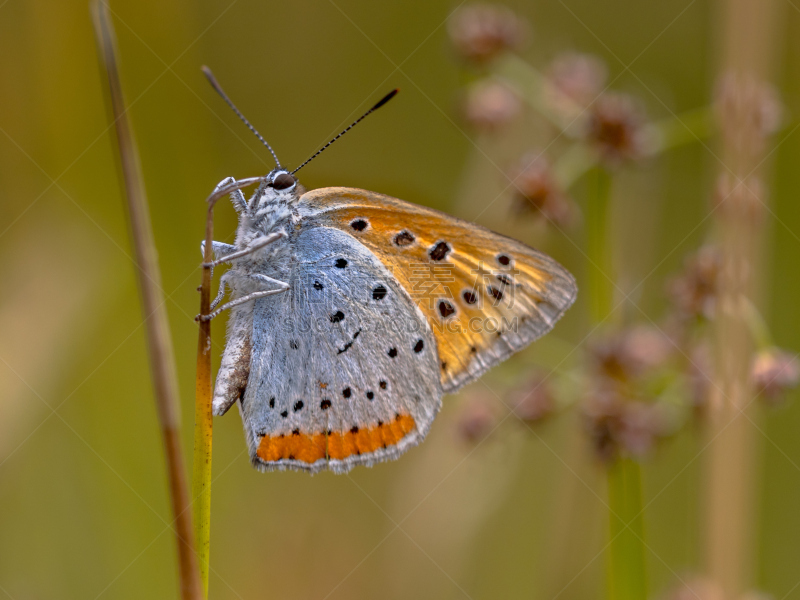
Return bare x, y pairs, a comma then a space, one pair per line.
480, 32
489, 104
573, 82
616, 129
749, 111
694, 292
535, 401
703, 588
476, 420
538, 192
739, 197
619, 417
774, 372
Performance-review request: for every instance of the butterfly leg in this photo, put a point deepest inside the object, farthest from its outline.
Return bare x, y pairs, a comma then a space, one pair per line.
221, 294
237, 197
252, 296
264, 241
220, 251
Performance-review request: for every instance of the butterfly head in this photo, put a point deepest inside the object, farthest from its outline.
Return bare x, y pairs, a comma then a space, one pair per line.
272, 202
281, 181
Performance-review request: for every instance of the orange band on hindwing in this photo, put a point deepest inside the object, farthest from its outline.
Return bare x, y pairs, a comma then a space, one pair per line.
310, 448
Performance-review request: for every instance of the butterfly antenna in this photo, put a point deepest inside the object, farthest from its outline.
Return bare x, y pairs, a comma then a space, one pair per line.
380, 103
213, 81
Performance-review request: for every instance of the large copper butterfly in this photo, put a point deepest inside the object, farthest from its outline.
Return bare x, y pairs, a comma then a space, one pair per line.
352, 313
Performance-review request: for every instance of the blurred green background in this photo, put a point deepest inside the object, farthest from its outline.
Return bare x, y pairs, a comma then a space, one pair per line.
83, 505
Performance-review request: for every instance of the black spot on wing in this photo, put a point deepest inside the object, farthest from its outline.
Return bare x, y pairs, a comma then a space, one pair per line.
446, 309
379, 292
439, 251
404, 238
359, 224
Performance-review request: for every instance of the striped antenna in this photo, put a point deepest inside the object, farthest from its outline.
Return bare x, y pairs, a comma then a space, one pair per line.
213, 81
380, 103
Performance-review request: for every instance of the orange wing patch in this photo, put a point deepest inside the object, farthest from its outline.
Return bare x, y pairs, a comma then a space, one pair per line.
311, 448
471, 284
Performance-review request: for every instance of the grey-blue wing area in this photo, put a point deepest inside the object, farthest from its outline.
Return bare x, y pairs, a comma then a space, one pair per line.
344, 347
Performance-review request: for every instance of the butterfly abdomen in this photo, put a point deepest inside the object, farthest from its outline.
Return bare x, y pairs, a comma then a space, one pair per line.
234, 370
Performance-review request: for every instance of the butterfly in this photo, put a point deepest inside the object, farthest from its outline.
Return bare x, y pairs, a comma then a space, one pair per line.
352, 313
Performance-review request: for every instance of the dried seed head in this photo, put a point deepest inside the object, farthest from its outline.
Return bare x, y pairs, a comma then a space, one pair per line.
647, 347
601, 413
630, 354
700, 377
694, 292
749, 111
774, 372
703, 588
538, 192
756, 595
642, 424
480, 32
572, 82
745, 198
536, 401
616, 127
490, 104
476, 421
697, 588
620, 427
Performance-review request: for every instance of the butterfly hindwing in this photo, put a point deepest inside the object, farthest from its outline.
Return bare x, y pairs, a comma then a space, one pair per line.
484, 295
344, 365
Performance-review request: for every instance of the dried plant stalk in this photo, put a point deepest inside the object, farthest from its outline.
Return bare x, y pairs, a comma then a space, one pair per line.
159, 343
750, 34
201, 477
201, 472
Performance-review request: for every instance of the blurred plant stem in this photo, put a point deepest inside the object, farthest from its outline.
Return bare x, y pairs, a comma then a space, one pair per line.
625, 561
159, 343
601, 280
750, 36
626, 566
689, 127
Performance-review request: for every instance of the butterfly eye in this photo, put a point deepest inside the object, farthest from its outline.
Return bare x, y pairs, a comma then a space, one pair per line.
283, 181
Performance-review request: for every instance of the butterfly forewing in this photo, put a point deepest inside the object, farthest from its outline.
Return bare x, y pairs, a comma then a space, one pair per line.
344, 367
484, 295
